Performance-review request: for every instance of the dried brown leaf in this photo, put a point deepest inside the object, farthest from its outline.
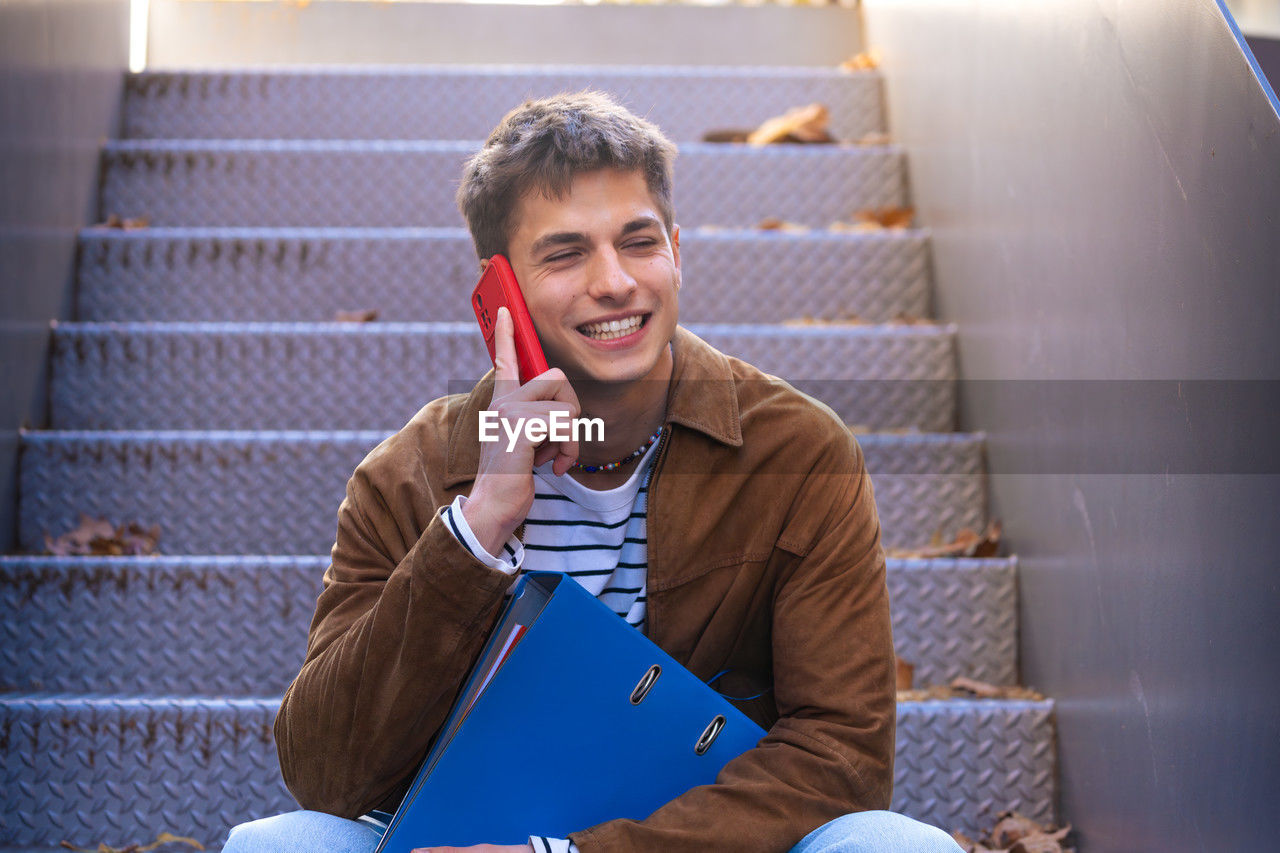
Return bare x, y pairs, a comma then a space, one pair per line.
944, 691
1015, 833
968, 845
865, 61
1012, 827
853, 227
1037, 842
1060, 834
965, 544
97, 537
170, 838
981, 689
729, 136
849, 319
773, 223
989, 544
906, 672
886, 217
799, 124
925, 694
367, 315
136, 541
897, 217
972, 688
115, 221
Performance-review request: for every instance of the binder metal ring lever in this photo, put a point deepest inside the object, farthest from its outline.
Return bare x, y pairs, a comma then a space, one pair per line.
709, 735
645, 685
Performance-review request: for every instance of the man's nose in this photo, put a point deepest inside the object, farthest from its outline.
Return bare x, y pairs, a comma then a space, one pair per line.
609, 279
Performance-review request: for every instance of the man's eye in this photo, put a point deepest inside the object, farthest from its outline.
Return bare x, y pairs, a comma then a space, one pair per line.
644, 243
560, 256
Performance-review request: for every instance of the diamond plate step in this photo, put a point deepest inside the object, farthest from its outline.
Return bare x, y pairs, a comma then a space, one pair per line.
278, 493
956, 617
237, 626
424, 274
353, 376
466, 102
182, 626
386, 183
121, 769
960, 763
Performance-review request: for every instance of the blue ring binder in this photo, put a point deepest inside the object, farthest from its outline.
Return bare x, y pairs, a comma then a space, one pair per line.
562, 697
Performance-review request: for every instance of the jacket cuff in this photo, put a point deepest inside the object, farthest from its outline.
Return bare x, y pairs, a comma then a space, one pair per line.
508, 561
444, 563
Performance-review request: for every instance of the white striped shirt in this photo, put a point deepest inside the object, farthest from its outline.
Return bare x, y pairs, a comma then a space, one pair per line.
599, 538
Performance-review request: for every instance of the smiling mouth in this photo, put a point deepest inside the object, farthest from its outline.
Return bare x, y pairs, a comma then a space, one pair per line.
611, 329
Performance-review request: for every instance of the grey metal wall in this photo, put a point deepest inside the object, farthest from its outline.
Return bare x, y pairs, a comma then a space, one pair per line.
1102, 180
216, 34
61, 77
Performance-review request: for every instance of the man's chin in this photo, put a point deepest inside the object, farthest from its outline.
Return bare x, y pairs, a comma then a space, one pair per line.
611, 377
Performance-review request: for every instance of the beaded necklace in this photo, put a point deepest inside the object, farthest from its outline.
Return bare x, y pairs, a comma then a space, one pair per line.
591, 469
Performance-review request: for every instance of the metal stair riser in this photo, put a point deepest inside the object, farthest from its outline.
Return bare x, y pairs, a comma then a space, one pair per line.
279, 493
960, 764
955, 618
122, 770
377, 184
461, 102
418, 275
207, 626
355, 376
194, 626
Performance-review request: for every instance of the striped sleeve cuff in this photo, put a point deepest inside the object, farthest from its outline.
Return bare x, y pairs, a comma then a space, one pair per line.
512, 552
551, 845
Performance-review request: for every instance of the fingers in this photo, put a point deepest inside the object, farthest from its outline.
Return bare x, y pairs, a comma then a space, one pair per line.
565, 460
537, 430
506, 366
536, 401
553, 386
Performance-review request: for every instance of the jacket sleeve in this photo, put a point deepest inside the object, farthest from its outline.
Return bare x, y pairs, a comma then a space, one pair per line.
400, 621
831, 751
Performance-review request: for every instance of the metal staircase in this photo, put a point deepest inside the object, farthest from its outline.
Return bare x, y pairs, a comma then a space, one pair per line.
204, 388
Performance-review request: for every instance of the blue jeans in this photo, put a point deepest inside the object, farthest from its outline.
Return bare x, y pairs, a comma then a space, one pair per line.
864, 832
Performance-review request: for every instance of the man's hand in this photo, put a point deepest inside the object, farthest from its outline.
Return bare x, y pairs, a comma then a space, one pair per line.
479, 848
503, 491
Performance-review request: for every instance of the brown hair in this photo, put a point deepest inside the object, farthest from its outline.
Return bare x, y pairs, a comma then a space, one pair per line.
542, 145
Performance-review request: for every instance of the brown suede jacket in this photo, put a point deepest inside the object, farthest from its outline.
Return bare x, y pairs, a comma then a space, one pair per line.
764, 559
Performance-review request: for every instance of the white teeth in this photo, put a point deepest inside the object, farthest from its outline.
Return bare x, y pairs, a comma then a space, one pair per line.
611, 329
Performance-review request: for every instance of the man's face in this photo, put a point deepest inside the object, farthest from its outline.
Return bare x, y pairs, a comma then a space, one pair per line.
600, 275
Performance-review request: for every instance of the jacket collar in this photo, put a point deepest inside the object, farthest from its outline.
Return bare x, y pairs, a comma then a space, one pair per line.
702, 397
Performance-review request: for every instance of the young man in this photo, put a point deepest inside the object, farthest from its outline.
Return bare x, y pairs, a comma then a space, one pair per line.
724, 514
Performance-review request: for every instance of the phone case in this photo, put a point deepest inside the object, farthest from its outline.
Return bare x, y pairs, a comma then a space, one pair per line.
498, 287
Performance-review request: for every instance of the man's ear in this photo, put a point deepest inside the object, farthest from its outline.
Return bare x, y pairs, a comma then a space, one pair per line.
484, 264
675, 250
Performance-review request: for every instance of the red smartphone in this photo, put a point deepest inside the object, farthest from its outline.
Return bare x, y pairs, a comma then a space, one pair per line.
498, 287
